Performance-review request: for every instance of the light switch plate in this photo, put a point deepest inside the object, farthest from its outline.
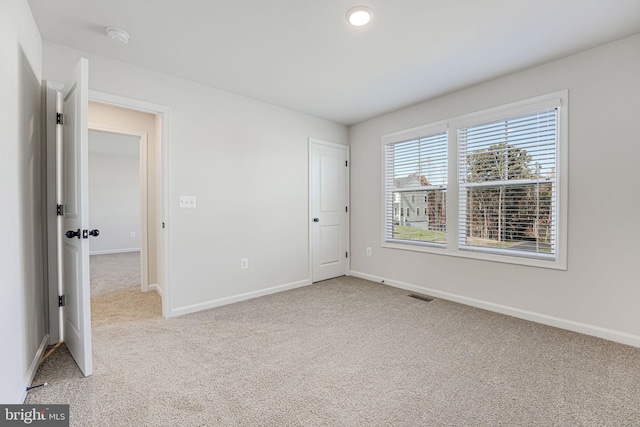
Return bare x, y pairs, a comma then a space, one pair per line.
187, 201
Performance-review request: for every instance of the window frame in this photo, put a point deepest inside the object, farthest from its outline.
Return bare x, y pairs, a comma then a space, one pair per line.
559, 100
398, 137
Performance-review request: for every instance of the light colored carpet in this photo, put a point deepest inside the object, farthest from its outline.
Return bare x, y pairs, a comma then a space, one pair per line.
344, 352
114, 272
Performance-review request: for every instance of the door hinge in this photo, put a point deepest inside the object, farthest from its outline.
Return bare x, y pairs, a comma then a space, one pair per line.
346, 163
62, 300
59, 210
346, 208
346, 254
59, 118
163, 225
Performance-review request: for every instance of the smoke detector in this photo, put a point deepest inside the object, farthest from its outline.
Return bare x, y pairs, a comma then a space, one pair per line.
118, 35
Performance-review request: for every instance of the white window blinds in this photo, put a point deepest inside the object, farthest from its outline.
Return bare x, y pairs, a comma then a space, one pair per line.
507, 185
416, 190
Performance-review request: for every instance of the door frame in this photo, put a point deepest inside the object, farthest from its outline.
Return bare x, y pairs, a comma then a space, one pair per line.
53, 223
312, 142
144, 243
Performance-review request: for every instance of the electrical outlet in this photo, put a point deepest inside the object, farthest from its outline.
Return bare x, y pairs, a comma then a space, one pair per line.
244, 263
368, 251
187, 201
133, 234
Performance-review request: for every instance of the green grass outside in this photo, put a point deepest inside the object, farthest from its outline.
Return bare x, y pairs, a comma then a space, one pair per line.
422, 235
414, 233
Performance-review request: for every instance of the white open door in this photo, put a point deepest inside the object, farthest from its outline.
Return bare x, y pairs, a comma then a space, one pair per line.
329, 182
74, 254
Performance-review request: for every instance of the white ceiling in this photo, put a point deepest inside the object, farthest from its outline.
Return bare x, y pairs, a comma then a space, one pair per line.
302, 54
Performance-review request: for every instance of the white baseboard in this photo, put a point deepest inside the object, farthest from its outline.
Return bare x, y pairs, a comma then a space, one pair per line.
583, 328
157, 288
237, 298
114, 251
31, 373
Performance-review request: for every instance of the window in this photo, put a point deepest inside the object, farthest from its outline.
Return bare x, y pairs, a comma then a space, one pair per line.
417, 167
492, 185
507, 184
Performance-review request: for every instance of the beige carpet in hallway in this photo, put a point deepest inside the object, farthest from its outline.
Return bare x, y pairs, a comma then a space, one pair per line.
113, 272
345, 352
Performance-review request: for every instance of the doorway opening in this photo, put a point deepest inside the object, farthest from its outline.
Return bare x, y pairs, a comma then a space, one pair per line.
125, 198
132, 225
118, 208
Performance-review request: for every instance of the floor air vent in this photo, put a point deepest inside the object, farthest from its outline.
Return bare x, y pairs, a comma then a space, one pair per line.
421, 297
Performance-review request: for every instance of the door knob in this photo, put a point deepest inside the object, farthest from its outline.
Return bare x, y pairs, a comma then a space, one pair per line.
316, 219
94, 233
71, 234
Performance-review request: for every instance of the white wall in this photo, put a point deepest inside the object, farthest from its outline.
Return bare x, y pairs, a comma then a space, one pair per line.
600, 291
22, 281
114, 192
244, 160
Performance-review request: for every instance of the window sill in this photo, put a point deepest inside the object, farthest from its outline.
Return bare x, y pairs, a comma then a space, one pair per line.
555, 264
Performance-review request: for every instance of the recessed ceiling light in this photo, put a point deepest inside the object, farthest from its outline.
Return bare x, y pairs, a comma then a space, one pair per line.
359, 16
120, 36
